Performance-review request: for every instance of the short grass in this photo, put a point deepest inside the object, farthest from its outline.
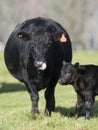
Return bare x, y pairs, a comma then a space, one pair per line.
15, 104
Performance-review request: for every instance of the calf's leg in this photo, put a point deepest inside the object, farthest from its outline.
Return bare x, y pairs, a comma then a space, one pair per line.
79, 105
89, 100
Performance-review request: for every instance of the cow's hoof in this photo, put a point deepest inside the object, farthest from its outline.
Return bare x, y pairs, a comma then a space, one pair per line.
76, 116
35, 111
47, 113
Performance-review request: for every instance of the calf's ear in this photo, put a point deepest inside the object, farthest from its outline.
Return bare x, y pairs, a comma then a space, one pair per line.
64, 62
76, 65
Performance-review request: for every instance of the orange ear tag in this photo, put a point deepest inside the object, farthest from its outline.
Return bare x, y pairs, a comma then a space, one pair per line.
63, 38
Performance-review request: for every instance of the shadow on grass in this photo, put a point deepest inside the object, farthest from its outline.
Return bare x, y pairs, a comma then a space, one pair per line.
11, 87
69, 112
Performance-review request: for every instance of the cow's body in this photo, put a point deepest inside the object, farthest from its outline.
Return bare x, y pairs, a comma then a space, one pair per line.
34, 54
84, 79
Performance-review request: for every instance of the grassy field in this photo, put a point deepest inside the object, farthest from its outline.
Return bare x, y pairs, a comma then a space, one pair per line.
15, 104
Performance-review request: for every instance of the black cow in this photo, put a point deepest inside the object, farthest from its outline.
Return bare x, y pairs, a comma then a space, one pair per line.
84, 79
34, 53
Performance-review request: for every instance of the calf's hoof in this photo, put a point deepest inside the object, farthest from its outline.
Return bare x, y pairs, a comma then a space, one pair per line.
87, 117
76, 116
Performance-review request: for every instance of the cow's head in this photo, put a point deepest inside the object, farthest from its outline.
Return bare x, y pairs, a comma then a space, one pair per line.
69, 73
40, 48
42, 38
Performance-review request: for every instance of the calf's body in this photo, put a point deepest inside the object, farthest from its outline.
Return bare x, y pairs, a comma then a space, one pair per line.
84, 79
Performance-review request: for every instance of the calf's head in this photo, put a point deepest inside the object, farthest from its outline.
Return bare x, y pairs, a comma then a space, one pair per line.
69, 73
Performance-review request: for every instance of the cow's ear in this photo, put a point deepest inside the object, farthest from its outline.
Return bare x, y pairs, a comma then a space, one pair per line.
23, 35
59, 37
62, 38
20, 35
76, 65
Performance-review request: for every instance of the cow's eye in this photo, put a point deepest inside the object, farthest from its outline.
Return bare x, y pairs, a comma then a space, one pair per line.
23, 35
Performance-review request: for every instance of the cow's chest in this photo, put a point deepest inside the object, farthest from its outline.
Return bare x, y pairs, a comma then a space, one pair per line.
39, 78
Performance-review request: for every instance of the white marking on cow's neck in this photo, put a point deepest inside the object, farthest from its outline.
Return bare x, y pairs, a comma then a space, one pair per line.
43, 67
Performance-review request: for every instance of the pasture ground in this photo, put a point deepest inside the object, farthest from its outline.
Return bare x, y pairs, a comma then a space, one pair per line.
15, 104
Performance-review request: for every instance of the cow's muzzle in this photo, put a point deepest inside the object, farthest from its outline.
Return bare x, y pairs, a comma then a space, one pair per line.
40, 65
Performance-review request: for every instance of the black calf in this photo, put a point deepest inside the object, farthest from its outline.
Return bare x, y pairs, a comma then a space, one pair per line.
84, 79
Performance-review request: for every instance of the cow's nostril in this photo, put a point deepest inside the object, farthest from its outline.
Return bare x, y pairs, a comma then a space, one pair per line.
40, 65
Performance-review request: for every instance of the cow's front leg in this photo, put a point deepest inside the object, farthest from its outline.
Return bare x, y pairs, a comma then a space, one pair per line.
31, 88
34, 96
49, 96
50, 101
79, 106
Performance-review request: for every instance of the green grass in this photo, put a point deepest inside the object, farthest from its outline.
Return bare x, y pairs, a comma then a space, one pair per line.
15, 104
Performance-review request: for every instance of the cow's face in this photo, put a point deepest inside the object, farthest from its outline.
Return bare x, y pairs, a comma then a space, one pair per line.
40, 47
68, 73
